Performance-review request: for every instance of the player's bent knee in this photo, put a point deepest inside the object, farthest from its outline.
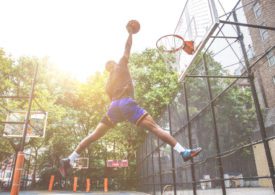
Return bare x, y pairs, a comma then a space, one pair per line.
141, 119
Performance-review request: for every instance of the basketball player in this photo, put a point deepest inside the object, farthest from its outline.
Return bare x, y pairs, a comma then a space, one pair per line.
123, 107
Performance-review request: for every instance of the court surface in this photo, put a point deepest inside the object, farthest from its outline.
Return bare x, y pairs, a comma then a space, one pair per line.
73, 193
230, 191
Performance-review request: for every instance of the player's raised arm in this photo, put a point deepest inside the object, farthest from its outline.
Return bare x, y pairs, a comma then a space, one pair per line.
132, 27
128, 45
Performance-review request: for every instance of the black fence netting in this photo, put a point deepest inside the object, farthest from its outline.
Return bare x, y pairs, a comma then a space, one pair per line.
226, 105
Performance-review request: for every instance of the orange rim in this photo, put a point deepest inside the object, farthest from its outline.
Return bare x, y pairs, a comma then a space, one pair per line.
170, 43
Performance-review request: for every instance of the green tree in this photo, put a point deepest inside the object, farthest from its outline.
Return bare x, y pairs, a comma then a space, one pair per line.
155, 82
74, 109
6, 85
235, 114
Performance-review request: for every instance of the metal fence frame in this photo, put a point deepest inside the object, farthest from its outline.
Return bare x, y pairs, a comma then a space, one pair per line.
145, 158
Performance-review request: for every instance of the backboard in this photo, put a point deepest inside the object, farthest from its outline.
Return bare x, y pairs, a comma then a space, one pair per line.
15, 121
117, 163
197, 22
81, 163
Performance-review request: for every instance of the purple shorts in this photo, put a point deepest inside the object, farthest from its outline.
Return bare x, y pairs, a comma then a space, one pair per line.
122, 110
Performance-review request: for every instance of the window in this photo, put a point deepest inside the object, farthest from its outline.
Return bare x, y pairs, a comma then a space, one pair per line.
264, 33
257, 10
271, 58
250, 52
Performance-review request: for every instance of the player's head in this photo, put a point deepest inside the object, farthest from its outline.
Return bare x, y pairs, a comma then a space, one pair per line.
110, 65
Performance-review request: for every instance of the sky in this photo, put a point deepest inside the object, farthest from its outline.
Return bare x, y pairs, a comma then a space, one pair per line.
79, 36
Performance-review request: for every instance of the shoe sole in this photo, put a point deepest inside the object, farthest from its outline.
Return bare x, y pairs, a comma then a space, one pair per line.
192, 155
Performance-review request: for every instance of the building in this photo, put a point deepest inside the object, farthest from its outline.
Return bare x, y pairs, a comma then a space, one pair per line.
261, 12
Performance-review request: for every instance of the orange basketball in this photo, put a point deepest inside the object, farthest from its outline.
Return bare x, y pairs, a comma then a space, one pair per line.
133, 25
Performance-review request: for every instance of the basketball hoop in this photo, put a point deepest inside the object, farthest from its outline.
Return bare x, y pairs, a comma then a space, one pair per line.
168, 190
173, 43
81, 163
79, 167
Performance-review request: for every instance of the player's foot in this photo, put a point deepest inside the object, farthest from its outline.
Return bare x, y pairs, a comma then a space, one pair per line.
64, 166
190, 153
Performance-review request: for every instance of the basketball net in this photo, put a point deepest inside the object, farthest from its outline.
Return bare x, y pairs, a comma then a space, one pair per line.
170, 59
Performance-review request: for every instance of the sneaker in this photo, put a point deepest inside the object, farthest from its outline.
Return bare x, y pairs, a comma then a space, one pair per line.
190, 153
64, 167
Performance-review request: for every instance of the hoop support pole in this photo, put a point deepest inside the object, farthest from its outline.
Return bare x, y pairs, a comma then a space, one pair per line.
17, 173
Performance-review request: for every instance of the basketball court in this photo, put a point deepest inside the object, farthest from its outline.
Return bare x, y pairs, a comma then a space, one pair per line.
236, 191
200, 32
71, 193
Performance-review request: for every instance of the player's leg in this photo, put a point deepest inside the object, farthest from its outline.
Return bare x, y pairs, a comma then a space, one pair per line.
100, 131
149, 123
137, 115
112, 117
66, 163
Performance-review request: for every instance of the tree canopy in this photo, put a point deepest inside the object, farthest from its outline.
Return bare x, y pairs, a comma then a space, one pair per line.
75, 108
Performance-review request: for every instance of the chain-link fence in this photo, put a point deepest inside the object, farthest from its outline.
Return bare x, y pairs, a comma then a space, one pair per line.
226, 105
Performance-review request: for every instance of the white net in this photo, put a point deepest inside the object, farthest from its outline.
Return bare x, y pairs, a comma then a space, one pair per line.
197, 21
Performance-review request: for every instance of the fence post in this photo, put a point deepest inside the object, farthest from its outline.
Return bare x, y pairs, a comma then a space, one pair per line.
172, 153
105, 184
153, 168
190, 139
51, 183
88, 184
217, 141
146, 163
160, 169
75, 184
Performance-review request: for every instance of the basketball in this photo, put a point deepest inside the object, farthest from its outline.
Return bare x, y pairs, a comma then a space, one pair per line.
133, 25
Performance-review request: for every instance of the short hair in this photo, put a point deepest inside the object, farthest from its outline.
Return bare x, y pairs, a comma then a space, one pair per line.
109, 64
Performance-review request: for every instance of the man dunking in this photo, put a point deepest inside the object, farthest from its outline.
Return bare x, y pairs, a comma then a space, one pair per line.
123, 107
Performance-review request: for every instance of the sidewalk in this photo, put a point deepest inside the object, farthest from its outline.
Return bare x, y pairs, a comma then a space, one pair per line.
232, 191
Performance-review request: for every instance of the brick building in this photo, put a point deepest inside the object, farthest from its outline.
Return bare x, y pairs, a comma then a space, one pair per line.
262, 12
